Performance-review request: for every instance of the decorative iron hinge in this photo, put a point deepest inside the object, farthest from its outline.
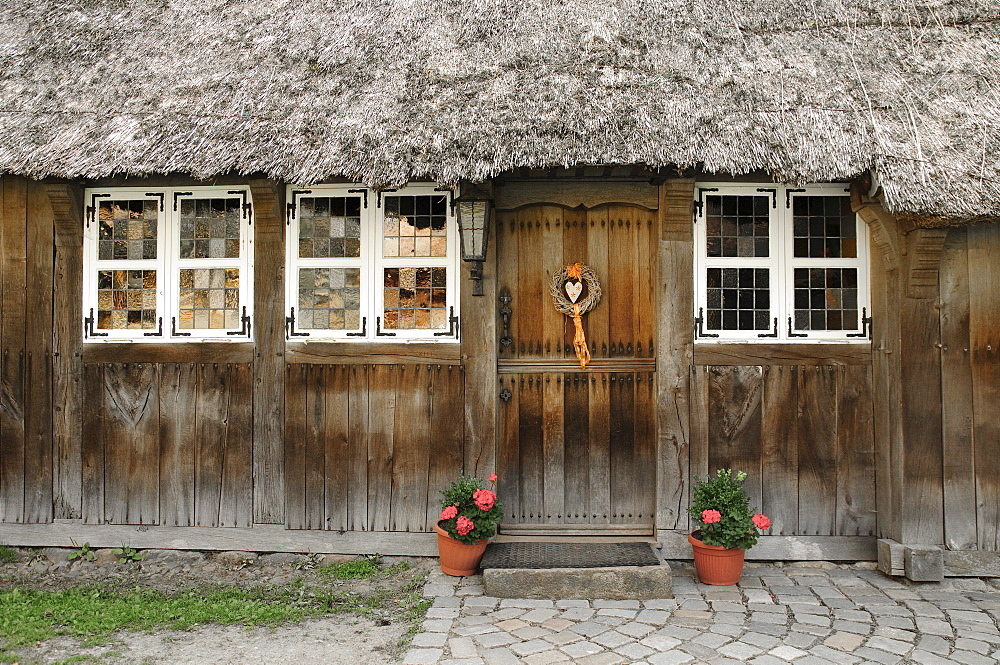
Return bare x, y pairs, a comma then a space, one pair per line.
364, 327
290, 327
700, 205
866, 325
159, 330
788, 196
88, 326
158, 195
245, 206
452, 325
794, 334
293, 206
378, 329
774, 195
92, 208
178, 195
245, 320
173, 329
378, 197
360, 191
771, 334
698, 323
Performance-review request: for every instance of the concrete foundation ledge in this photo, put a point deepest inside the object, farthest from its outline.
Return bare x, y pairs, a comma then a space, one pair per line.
616, 583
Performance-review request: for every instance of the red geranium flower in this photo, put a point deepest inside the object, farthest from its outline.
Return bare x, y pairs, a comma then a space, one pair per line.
449, 513
761, 521
493, 477
711, 516
484, 499
464, 525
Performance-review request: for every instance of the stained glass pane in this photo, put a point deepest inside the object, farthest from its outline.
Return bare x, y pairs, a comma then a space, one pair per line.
126, 300
824, 227
329, 299
127, 229
415, 226
209, 299
415, 298
210, 228
329, 226
826, 298
737, 225
738, 299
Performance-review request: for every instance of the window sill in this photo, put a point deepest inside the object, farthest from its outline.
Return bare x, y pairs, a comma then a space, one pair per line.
811, 352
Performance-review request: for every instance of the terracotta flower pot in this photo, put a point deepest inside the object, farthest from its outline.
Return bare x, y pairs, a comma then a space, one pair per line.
715, 564
458, 559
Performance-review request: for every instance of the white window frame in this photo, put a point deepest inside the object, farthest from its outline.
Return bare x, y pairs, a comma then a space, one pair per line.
371, 263
168, 265
781, 262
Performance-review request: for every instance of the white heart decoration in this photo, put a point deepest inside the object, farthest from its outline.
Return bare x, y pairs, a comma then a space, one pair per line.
573, 290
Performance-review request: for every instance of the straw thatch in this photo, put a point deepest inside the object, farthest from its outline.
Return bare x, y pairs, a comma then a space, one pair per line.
383, 91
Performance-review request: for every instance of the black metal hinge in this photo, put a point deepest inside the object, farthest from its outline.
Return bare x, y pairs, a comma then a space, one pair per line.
360, 191
178, 195
700, 205
290, 327
159, 330
364, 327
378, 197
88, 326
293, 206
794, 334
92, 208
866, 325
788, 196
158, 195
771, 334
245, 320
453, 325
774, 195
244, 204
378, 329
699, 323
173, 329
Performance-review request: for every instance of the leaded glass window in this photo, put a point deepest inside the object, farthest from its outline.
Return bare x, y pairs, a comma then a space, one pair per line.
370, 265
166, 264
779, 263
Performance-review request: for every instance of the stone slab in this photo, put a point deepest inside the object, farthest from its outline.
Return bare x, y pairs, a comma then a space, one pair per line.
615, 583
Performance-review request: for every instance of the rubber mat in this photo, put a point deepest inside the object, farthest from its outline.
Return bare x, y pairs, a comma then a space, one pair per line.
568, 555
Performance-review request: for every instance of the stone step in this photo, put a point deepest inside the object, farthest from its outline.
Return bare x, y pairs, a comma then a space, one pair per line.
575, 571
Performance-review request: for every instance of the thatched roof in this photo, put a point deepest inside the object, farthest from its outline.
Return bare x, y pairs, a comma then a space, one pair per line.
385, 90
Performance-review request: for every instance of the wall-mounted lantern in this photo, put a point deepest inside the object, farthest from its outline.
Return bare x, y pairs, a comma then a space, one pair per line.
474, 208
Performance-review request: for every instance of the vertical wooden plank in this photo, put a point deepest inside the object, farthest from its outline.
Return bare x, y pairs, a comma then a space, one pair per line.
577, 445
509, 455
269, 335
674, 350
357, 502
984, 325
530, 287
132, 455
296, 382
960, 531
531, 449
210, 434
574, 250
411, 447
314, 416
734, 423
551, 247
381, 427
337, 436
553, 445
506, 234
92, 451
622, 449
236, 503
67, 358
599, 319
38, 351
817, 438
12, 324
699, 424
644, 248
780, 448
856, 457
600, 448
446, 444
644, 415
619, 293
178, 443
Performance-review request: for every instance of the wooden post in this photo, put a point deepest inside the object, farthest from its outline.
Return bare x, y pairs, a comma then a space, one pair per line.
269, 359
674, 351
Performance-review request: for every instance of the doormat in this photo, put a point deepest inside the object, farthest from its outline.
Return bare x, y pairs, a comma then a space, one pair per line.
568, 555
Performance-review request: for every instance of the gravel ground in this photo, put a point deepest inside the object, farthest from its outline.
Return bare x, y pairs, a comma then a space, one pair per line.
377, 637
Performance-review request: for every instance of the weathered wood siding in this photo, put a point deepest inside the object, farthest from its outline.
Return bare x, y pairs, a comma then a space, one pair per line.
369, 446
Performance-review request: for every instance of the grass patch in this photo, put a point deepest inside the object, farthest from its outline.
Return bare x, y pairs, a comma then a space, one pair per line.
350, 570
7, 555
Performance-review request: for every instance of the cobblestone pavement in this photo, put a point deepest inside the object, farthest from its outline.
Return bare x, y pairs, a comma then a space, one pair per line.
776, 615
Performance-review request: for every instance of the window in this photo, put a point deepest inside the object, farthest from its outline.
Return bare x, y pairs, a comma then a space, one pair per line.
368, 265
779, 263
167, 264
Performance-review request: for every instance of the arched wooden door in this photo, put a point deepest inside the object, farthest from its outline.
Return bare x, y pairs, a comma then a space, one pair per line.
576, 450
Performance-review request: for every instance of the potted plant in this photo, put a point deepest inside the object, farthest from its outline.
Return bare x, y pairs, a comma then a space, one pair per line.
726, 527
470, 513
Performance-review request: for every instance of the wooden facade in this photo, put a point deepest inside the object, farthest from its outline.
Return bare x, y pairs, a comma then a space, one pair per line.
275, 440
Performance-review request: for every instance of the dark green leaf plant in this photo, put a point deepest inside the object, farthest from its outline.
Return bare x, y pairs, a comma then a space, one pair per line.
721, 510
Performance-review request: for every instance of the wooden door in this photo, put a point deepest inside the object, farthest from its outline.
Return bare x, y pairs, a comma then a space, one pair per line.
576, 450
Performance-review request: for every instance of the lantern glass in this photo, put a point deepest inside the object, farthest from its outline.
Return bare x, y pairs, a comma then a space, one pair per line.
473, 224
